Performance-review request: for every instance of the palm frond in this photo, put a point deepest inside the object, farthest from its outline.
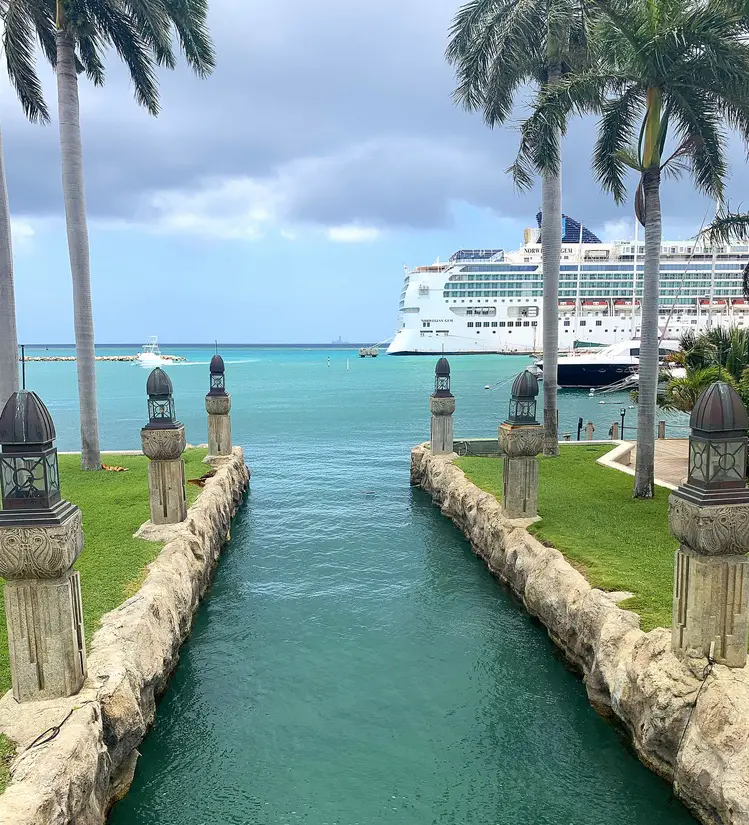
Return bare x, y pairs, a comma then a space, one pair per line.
118, 29
190, 20
152, 21
490, 38
698, 126
18, 44
612, 155
728, 227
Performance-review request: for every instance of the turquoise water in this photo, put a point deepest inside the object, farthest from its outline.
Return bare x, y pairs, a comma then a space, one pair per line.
353, 662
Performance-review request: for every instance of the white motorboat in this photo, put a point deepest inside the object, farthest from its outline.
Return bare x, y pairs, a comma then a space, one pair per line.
603, 367
150, 355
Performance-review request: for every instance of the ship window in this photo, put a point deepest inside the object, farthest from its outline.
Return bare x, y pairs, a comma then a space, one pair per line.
534, 323
494, 323
526, 323
599, 323
486, 323
518, 323
583, 323
478, 332
470, 324
501, 323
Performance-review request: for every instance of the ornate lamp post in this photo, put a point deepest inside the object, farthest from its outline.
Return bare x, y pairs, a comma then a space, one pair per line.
521, 440
163, 440
218, 405
709, 515
40, 539
442, 405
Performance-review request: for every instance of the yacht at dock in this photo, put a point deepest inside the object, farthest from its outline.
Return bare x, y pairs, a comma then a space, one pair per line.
604, 367
490, 301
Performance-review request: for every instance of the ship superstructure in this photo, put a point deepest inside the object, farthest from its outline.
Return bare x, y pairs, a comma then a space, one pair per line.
490, 301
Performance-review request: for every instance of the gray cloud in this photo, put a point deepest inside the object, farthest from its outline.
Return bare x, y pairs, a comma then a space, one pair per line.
337, 112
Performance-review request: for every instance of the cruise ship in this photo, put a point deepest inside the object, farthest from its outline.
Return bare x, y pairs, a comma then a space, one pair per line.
490, 301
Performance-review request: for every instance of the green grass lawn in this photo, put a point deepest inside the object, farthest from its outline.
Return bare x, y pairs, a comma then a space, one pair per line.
7, 752
112, 564
588, 513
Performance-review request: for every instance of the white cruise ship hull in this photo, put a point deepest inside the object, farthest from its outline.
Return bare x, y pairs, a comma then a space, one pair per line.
489, 301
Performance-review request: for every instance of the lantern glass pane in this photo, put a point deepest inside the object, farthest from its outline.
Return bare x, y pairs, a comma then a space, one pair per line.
53, 475
160, 409
698, 460
727, 462
23, 478
217, 381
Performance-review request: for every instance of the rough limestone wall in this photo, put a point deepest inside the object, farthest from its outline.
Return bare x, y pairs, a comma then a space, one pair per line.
80, 773
628, 674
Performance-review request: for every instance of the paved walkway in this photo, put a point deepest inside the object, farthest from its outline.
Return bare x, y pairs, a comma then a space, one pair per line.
671, 457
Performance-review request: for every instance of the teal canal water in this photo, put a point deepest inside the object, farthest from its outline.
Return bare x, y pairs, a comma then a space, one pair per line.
353, 662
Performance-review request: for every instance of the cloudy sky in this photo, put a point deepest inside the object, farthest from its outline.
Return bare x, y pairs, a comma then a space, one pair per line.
278, 200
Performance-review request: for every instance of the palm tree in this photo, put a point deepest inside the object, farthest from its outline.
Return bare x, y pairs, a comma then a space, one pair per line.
498, 46
23, 22
663, 69
717, 354
140, 32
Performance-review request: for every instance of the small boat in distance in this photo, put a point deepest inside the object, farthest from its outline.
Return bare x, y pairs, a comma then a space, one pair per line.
150, 355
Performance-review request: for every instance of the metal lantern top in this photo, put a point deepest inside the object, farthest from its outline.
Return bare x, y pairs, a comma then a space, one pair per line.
161, 411
29, 475
523, 399
442, 379
717, 448
218, 378
719, 409
25, 421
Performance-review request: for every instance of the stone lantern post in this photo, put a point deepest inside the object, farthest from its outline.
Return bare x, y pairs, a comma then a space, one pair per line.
521, 440
442, 405
163, 440
40, 539
218, 405
709, 515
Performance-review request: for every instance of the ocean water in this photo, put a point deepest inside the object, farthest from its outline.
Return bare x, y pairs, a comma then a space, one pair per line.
353, 662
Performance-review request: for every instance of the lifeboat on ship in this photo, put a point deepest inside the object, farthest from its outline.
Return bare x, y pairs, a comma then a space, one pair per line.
740, 303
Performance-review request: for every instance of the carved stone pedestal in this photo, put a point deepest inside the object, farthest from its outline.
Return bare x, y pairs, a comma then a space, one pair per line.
43, 606
711, 607
711, 581
45, 637
442, 408
166, 474
219, 424
520, 445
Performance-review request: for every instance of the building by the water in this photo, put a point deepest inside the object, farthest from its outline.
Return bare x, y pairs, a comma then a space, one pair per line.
489, 300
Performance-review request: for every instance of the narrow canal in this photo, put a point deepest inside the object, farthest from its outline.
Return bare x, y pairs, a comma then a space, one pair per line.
354, 663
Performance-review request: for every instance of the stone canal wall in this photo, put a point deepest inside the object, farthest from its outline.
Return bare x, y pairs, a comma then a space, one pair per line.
77, 756
691, 728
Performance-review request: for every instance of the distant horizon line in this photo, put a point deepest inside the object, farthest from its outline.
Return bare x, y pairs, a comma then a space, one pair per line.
212, 345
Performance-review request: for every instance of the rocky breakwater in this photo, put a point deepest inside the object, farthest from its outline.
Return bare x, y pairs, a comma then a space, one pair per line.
171, 359
687, 722
77, 756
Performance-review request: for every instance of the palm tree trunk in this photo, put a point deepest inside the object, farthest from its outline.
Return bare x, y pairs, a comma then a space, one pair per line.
648, 368
8, 335
77, 226
551, 251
